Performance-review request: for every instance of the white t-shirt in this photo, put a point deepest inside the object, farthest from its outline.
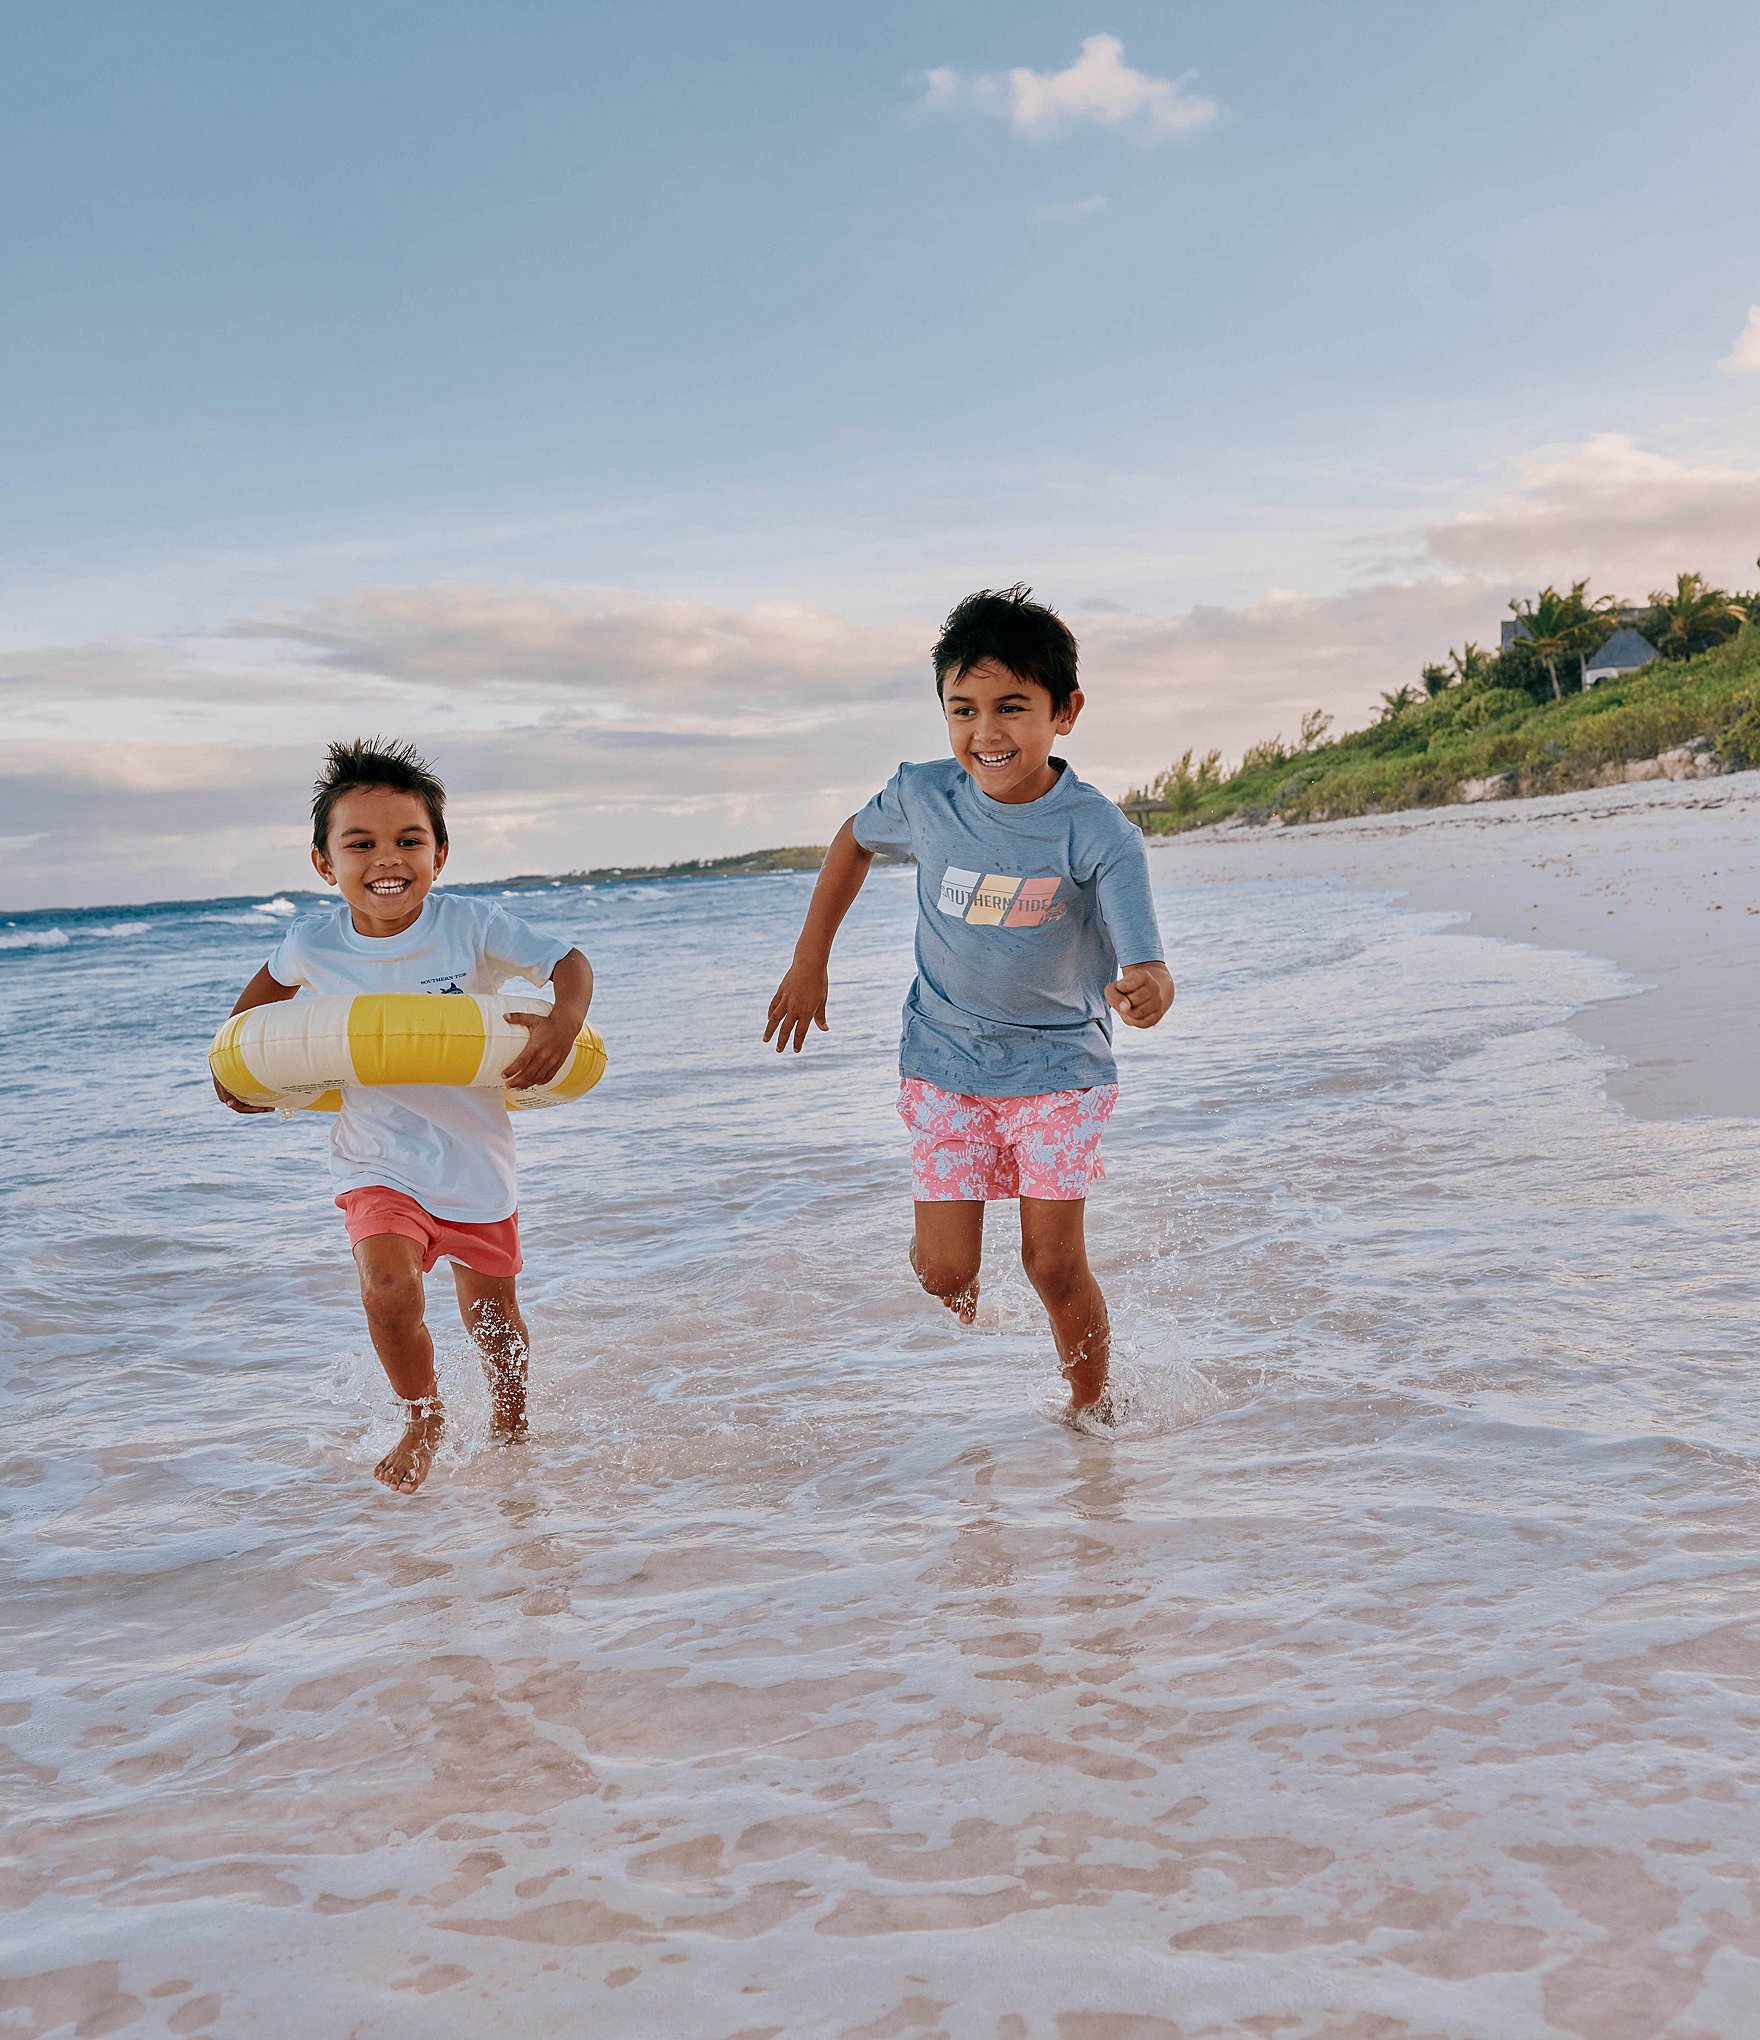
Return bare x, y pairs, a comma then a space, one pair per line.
449, 1148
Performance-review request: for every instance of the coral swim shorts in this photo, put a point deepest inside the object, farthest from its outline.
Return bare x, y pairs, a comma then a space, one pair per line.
966, 1149
484, 1249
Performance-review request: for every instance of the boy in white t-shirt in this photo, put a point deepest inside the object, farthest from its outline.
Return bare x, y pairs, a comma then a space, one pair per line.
422, 1171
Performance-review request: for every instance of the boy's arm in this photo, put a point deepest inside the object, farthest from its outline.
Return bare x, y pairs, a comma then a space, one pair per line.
551, 1039
263, 990
1143, 990
799, 1003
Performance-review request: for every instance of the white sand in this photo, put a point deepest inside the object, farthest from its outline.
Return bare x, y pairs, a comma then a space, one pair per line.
1663, 880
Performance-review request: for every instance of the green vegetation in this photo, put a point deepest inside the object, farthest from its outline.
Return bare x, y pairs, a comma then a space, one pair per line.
749, 864
1520, 714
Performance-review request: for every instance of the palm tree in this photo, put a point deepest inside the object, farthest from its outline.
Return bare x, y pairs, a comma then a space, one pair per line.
1398, 702
1557, 625
1436, 680
1471, 665
1694, 617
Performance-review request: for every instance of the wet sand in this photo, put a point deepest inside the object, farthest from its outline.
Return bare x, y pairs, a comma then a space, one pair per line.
1663, 880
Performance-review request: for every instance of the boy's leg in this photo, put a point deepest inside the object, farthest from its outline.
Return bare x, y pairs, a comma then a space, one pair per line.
1054, 1252
947, 1251
490, 1309
390, 1269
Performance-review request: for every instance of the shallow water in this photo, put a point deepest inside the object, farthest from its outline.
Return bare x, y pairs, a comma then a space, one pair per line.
1392, 1673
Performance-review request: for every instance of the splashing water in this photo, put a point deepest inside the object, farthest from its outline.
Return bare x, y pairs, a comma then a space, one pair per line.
1386, 1668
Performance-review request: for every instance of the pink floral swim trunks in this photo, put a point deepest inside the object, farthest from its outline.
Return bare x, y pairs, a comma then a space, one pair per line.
966, 1149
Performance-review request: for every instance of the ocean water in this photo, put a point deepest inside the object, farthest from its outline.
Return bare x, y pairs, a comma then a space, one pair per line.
1393, 1671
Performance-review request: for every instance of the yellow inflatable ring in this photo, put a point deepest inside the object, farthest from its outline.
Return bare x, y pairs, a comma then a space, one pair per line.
302, 1052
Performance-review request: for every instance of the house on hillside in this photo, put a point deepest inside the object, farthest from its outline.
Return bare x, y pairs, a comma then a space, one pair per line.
1513, 629
1627, 651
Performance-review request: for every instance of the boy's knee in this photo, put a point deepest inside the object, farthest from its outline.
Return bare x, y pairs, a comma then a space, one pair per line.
393, 1298
1056, 1275
945, 1278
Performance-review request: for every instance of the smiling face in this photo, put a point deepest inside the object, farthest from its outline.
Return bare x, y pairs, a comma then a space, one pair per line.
382, 856
1002, 728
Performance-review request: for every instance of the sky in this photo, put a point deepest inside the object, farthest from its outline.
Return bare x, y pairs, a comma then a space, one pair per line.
612, 399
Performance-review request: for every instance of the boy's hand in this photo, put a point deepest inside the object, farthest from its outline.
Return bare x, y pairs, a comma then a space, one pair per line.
1142, 995
798, 1005
550, 1043
233, 1104
263, 990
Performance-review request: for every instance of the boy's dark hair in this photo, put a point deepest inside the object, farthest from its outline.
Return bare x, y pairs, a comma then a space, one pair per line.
1007, 625
372, 761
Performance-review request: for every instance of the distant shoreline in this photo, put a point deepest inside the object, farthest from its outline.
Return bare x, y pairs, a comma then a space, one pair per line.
747, 864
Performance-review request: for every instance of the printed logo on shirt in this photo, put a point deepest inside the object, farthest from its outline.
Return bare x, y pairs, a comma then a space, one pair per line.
450, 981
995, 900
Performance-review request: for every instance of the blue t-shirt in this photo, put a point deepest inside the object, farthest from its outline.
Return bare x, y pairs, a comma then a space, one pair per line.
1026, 911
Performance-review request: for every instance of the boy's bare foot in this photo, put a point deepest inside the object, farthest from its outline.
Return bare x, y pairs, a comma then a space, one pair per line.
507, 1419
405, 1466
1096, 1402
1104, 1413
964, 1302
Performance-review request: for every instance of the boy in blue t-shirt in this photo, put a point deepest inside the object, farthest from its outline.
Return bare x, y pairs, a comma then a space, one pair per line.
1034, 925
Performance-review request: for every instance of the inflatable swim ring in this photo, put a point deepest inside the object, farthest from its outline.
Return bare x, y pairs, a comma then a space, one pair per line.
301, 1052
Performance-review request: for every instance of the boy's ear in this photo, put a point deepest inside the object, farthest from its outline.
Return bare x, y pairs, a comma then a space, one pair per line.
322, 866
440, 858
1066, 716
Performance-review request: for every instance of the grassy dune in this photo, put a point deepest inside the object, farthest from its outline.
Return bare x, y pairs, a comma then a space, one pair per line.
1420, 757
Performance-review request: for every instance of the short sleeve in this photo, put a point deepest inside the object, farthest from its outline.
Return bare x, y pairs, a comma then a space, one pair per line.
514, 948
287, 960
1127, 905
885, 823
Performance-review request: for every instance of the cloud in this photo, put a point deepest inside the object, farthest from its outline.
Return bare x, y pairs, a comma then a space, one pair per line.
1230, 676
603, 653
574, 726
582, 725
1065, 211
1609, 508
744, 692
1744, 357
91, 823
1099, 89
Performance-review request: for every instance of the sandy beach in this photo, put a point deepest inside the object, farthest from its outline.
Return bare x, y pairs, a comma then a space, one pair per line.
1661, 879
